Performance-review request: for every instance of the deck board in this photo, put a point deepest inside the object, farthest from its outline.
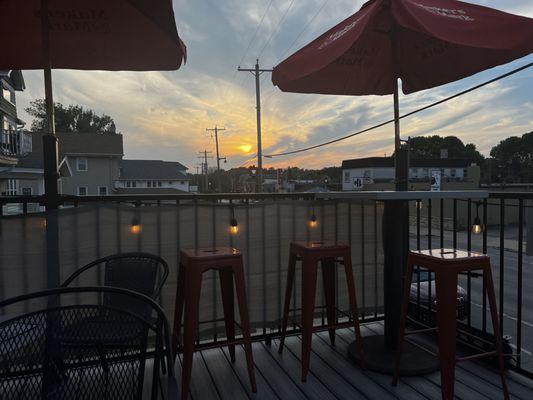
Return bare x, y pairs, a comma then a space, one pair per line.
333, 376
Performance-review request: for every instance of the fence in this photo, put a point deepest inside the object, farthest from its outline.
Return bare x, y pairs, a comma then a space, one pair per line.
92, 227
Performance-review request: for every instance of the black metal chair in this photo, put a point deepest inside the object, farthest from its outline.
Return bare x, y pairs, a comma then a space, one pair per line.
55, 349
141, 272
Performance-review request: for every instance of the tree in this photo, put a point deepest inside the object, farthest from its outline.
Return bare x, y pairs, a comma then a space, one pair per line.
431, 146
71, 119
512, 159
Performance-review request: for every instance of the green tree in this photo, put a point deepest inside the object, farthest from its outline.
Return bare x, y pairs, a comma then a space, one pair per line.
72, 118
512, 159
430, 147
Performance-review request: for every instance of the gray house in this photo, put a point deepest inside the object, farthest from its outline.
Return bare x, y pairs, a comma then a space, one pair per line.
89, 163
152, 176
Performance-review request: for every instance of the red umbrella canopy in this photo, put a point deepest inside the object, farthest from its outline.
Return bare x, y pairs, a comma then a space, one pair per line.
91, 34
426, 43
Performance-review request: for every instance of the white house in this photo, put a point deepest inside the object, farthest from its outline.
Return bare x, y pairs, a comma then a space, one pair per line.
151, 176
372, 171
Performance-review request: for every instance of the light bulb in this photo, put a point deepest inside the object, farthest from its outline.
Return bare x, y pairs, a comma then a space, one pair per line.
135, 227
313, 222
477, 228
233, 226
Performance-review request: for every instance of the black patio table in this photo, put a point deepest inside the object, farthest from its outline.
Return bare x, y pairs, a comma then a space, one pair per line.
380, 349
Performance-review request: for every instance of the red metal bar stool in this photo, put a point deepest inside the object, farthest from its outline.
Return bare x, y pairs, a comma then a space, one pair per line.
447, 264
194, 262
328, 253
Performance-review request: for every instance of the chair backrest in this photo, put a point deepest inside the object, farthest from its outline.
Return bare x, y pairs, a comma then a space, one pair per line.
89, 350
141, 272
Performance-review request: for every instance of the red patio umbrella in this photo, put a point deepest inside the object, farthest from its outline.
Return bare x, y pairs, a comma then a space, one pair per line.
425, 43
135, 35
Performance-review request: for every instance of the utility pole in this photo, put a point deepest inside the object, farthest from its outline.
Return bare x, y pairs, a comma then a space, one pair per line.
204, 156
257, 72
216, 129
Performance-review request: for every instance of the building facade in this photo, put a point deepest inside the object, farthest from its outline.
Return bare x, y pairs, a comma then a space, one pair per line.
152, 176
14, 142
377, 173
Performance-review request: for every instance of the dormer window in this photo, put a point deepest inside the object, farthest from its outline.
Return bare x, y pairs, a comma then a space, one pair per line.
82, 164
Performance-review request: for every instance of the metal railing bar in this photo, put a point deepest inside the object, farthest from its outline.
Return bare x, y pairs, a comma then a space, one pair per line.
469, 248
484, 286
263, 265
429, 224
502, 261
363, 274
454, 223
441, 233
519, 283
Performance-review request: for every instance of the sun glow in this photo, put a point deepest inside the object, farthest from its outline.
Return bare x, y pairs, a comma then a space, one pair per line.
246, 148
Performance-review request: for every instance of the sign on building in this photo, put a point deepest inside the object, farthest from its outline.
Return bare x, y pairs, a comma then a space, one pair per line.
358, 183
435, 180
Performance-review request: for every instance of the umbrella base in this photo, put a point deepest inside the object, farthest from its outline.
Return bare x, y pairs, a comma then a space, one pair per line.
378, 359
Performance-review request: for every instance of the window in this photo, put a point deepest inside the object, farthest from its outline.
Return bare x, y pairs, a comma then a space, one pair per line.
453, 172
182, 182
128, 183
346, 176
465, 172
159, 183
82, 164
8, 93
133, 183
12, 187
149, 183
102, 190
27, 191
82, 191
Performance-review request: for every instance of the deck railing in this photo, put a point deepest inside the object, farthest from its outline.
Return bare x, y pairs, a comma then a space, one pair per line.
14, 143
94, 226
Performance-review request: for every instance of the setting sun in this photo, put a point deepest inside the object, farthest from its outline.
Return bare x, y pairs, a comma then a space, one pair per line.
245, 148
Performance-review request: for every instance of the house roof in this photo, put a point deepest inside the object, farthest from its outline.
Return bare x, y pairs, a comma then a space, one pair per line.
149, 191
85, 144
388, 162
106, 144
152, 169
15, 78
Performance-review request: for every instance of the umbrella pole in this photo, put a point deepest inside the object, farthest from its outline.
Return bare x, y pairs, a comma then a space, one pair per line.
50, 161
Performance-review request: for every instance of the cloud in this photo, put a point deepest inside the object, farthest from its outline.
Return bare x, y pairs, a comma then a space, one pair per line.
163, 115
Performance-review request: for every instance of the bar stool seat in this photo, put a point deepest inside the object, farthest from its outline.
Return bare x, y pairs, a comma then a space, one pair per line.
447, 264
193, 263
328, 253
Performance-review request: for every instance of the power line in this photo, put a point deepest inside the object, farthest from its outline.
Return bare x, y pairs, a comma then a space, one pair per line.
276, 30
514, 71
251, 41
306, 26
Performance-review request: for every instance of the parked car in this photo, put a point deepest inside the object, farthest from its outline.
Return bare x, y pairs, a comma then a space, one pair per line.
427, 279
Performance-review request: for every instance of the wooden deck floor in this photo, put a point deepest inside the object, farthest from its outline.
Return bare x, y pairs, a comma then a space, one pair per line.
333, 375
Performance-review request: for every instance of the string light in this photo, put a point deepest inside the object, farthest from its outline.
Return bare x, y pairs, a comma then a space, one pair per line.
135, 227
477, 227
233, 224
313, 223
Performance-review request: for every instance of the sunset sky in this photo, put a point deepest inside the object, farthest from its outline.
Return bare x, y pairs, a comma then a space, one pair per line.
163, 115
